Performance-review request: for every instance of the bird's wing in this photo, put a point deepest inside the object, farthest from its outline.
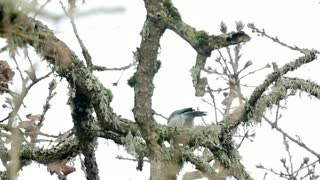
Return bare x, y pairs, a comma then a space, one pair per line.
180, 111
177, 121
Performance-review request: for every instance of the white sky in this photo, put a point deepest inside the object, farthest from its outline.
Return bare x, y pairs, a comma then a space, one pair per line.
111, 39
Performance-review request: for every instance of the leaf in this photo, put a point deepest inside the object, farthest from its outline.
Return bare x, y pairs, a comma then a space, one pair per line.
3, 87
227, 101
223, 27
60, 168
234, 93
31, 74
29, 126
63, 137
6, 73
36, 117
247, 64
239, 26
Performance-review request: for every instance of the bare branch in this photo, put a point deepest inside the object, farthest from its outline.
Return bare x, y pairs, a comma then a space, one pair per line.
291, 138
103, 68
275, 39
85, 51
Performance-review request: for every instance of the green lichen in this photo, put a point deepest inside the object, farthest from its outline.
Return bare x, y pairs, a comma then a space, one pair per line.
162, 133
132, 144
203, 42
103, 100
278, 93
208, 135
108, 92
172, 11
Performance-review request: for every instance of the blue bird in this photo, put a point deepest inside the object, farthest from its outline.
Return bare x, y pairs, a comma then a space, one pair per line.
184, 117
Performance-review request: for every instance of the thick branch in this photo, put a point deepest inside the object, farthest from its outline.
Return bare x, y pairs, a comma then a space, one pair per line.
201, 41
146, 69
199, 83
84, 125
44, 156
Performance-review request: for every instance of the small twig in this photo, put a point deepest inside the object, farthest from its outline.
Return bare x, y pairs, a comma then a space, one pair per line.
18, 68
214, 103
116, 83
243, 138
40, 9
277, 114
291, 138
203, 121
48, 135
43, 140
286, 144
265, 176
52, 86
231, 61
270, 170
158, 114
275, 39
252, 72
32, 73
225, 66
249, 86
308, 165
103, 68
129, 159
37, 80
22, 95
4, 48
85, 51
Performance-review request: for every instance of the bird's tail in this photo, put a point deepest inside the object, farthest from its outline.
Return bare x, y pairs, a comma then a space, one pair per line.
197, 113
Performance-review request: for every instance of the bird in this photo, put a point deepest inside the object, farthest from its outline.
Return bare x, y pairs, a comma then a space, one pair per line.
183, 118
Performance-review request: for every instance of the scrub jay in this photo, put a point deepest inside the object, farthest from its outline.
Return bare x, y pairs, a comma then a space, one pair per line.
184, 117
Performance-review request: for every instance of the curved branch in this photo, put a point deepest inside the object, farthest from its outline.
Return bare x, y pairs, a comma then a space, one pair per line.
244, 113
307, 58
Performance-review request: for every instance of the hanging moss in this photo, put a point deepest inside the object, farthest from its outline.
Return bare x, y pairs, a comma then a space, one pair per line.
132, 81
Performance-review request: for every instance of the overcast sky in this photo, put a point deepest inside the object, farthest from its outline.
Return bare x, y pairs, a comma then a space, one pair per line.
111, 39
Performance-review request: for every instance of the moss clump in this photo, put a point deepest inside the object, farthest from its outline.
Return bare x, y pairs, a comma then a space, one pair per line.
158, 65
172, 11
132, 81
203, 42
